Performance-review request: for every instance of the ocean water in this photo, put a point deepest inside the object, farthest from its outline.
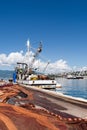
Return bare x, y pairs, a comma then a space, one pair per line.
6, 74
73, 87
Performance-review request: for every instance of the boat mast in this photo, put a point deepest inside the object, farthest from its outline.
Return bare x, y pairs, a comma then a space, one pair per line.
28, 50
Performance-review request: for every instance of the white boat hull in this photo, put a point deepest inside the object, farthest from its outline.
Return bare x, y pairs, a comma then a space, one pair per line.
40, 83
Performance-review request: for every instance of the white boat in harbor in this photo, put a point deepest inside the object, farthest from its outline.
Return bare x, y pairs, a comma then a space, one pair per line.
74, 77
25, 74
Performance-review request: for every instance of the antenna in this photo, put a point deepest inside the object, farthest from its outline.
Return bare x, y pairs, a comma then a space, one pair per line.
28, 45
28, 49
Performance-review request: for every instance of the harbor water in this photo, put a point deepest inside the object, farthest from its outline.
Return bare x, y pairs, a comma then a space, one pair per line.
73, 87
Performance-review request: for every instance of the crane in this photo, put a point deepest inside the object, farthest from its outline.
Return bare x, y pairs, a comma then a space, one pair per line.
39, 49
46, 66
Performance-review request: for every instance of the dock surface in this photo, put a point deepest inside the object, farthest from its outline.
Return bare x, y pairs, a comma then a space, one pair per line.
59, 104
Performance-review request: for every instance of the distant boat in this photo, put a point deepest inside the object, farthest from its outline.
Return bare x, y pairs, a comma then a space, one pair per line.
74, 77
79, 77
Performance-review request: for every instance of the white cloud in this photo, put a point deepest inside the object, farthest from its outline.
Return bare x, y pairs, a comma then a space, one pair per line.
12, 58
84, 68
80, 68
2, 58
9, 61
58, 66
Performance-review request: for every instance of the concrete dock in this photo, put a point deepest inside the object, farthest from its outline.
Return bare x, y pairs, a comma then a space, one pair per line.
59, 104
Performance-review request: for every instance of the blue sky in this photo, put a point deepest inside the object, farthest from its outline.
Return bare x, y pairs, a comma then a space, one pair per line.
60, 24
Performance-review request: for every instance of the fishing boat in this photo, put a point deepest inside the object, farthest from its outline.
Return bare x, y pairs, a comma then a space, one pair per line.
26, 74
